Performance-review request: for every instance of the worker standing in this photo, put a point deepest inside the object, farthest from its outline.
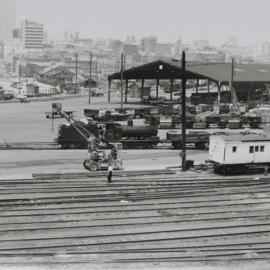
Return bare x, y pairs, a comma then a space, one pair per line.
110, 171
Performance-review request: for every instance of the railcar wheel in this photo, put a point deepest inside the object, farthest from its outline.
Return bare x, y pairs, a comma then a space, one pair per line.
224, 170
177, 145
65, 145
222, 125
199, 145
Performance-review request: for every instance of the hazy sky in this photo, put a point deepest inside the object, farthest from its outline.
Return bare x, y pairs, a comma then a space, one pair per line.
216, 20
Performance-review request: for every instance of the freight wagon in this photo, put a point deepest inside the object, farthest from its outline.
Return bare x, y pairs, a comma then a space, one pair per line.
129, 136
235, 153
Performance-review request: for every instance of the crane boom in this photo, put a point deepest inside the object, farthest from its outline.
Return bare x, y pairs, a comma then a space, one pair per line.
85, 133
94, 161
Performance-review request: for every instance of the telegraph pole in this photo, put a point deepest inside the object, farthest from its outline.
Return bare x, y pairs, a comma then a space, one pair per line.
76, 71
183, 103
232, 74
90, 75
122, 75
232, 79
20, 81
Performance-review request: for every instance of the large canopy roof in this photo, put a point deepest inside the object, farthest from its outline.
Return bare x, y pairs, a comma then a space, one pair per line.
219, 72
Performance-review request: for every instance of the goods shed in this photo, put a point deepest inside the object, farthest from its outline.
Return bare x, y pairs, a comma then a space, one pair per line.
247, 75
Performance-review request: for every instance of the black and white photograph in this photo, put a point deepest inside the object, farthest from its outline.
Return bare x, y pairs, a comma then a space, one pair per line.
134, 135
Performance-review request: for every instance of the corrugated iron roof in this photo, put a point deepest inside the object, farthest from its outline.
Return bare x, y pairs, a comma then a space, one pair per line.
220, 72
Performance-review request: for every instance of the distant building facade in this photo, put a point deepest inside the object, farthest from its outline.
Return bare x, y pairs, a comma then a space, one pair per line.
32, 35
149, 44
201, 44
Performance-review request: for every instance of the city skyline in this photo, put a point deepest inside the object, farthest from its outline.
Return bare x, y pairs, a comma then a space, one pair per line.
214, 20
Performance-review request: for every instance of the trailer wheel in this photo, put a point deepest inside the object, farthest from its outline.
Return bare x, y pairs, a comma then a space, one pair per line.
93, 166
86, 164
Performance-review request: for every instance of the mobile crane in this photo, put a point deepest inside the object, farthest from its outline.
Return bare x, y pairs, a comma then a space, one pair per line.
100, 154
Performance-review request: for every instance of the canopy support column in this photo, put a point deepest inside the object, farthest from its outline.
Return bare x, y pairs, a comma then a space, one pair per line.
142, 90
171, 89
157, 89
126, 91
197, 86
219, 91
208, 86
109, 91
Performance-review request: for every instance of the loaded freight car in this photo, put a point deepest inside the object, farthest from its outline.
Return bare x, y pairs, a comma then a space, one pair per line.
132, 137
236, 153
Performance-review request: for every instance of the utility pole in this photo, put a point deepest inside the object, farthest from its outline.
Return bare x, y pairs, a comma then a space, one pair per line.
183, 118
232, 78
232, 73
233, 93
122, 75
76, 71
20, 81
90, 79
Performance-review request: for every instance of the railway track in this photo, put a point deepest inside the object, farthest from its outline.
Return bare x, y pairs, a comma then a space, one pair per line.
30, 146
165, 144
139, 219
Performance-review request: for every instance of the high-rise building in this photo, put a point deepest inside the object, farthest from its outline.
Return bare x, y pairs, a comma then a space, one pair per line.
7, 19
32, 35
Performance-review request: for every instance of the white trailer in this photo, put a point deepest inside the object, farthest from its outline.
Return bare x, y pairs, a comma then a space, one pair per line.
234, 153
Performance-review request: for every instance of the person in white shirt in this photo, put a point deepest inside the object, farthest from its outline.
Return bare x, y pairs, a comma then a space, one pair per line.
109, 176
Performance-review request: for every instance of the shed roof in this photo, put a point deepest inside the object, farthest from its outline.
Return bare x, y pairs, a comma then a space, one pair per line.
244, 137
220, 72
56, 69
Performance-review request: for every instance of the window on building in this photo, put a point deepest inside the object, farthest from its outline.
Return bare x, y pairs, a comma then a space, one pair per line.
251, 149
256, 148
234, 149
262, 148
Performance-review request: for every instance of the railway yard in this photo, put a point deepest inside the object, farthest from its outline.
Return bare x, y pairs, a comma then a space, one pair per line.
158, 219
56, 214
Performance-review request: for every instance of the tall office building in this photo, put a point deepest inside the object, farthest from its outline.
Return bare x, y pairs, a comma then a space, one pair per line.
32, 35
7, 19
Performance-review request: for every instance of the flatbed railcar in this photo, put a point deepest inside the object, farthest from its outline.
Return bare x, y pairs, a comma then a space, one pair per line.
198, 138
